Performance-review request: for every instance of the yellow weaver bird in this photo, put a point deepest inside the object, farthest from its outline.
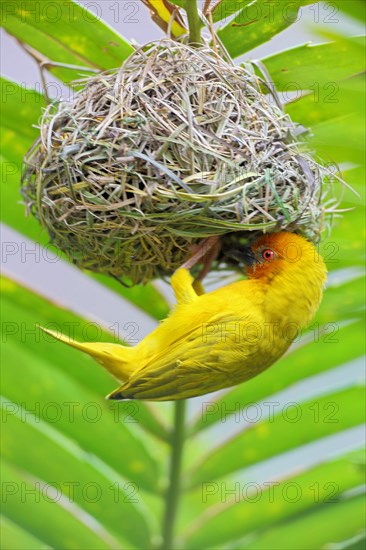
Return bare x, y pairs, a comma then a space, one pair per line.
222, 338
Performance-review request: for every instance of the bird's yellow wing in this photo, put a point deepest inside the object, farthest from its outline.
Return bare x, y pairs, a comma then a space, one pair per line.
212, 356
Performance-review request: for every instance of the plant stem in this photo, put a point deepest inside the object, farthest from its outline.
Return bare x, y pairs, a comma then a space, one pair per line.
173, 492
194, 21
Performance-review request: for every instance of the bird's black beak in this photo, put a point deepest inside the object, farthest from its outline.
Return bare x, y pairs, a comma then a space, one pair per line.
249, 257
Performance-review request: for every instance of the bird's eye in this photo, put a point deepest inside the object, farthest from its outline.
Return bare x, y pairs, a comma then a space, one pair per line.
268, 255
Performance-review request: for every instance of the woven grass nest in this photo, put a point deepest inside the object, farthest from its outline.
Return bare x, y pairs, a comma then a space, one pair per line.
176, 145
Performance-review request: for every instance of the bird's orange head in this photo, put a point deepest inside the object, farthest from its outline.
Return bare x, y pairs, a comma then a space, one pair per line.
284, 253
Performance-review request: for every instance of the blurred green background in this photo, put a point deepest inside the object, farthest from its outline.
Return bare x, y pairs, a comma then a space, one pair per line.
274, 463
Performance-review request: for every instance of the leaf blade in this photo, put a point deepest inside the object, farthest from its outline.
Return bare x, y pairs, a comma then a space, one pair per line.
316, 529
69, 34
13, 537
226, 522
321, 64
257, 23
71, 472
61, 530
281, 433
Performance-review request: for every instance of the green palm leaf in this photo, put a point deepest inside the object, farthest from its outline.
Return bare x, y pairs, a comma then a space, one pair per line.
122, 449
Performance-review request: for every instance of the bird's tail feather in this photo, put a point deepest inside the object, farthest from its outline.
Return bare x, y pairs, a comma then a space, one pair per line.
114, 357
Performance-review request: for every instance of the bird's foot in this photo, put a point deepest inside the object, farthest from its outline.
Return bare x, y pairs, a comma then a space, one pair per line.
205, 253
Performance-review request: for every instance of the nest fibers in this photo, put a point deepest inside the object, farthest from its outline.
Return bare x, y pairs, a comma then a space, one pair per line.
175, 146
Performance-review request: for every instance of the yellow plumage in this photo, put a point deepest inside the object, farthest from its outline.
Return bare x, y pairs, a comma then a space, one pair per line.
219, 339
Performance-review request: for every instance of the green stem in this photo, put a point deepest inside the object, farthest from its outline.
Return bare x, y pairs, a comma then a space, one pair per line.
173, 492
194, 21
